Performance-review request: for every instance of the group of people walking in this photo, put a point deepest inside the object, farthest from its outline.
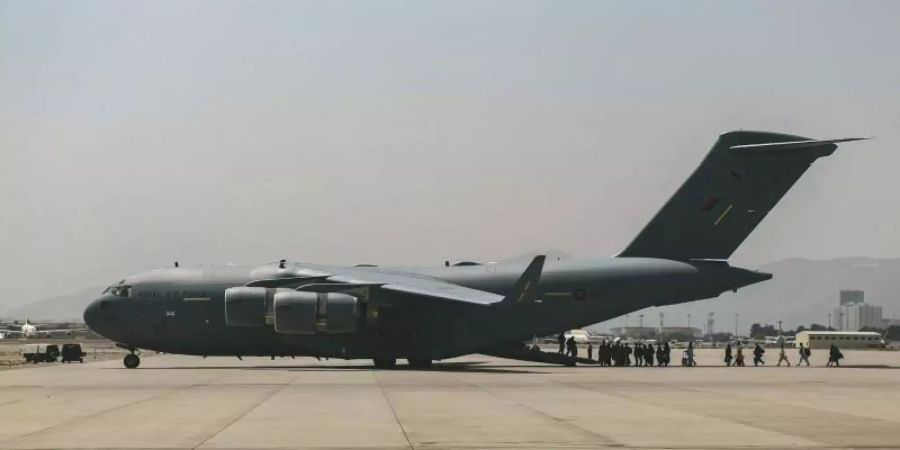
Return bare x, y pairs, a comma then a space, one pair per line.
736, 359
618, 354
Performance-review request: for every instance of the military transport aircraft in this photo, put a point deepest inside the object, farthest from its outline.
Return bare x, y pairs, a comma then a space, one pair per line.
424, 314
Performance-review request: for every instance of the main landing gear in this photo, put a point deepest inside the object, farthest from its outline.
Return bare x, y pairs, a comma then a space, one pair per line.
419, 363
132, 361
390, 363
385, 363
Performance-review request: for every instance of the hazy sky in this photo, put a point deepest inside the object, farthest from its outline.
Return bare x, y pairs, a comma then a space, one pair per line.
137, 133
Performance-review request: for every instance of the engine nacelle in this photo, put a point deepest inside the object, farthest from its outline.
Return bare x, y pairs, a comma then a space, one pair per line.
298, 312
245, 307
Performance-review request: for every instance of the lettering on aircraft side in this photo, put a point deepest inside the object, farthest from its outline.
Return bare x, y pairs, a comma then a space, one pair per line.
172, 294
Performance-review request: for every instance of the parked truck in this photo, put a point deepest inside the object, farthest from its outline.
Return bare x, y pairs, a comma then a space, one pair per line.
72, 353
42, 353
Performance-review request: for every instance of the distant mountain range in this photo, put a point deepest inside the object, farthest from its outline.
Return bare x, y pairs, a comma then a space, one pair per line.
60, 308
803, 291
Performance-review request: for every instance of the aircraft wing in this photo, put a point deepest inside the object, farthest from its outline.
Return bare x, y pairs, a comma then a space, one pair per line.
414, 286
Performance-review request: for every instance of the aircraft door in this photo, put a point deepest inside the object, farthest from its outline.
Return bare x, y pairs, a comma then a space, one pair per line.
163, 322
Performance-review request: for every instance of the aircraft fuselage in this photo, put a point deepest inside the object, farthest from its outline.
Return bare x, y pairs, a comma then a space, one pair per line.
182, 310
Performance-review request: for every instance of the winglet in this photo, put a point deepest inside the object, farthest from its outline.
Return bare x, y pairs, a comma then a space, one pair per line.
525, 289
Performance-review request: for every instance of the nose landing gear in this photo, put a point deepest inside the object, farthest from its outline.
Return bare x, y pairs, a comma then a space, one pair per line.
131, 361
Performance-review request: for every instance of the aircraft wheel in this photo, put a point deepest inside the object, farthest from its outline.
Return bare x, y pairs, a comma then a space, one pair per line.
132, 361
385, 363
419, 363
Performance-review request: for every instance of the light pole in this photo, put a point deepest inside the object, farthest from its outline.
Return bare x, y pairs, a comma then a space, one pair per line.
736, 324
689, 320
641, 327
659, 336
779, 328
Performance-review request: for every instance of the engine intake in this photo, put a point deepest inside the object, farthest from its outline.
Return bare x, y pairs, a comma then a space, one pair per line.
245, 307
311, 313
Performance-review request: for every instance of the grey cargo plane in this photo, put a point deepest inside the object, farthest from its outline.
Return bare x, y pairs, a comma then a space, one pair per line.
425, 314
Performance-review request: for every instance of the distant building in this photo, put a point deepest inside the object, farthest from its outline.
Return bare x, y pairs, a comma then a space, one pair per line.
854, 313
849, 297
843, 339
856, 316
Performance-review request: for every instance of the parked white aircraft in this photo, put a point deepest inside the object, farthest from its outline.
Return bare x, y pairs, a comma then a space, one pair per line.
29, 330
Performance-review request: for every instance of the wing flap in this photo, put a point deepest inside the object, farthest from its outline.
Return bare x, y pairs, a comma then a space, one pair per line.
446, 292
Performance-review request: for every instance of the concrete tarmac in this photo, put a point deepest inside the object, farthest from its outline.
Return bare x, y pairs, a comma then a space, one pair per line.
474, 402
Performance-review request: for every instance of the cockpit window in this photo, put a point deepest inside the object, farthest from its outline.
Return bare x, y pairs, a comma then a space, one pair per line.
119, 290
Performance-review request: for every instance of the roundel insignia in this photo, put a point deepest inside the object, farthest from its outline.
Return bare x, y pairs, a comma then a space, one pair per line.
579, 294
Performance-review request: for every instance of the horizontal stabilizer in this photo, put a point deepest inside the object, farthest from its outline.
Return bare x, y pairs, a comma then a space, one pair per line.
775, 146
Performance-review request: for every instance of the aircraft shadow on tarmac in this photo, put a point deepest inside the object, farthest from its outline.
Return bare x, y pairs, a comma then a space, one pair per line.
462, 366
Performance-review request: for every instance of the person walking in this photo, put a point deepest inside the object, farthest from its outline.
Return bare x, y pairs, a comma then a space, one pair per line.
690, 355
739, 356
648, 355
782, 356
659, 354
757, 355
590, 350
667, 354
804, 355
728, 355
834, 356
562, 343
638, 354
571, 349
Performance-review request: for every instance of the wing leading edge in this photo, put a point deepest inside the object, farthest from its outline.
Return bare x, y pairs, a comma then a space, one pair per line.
414, 286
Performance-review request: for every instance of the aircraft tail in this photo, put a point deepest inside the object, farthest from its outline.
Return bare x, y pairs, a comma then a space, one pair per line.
741, 179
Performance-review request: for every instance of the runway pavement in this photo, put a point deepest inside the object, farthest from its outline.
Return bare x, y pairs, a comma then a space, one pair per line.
468, 403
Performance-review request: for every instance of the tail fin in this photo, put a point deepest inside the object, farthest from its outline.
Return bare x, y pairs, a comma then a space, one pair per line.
741, 179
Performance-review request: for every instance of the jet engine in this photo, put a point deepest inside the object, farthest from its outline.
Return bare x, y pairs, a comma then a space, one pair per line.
298, 312
245, 307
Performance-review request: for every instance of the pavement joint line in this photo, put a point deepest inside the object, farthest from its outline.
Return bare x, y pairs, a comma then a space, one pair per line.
606, 440
393, 411
810, 411
243, 414
108, 410
741, 422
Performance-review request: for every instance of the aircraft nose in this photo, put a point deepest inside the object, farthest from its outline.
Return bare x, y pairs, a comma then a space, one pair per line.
92, 316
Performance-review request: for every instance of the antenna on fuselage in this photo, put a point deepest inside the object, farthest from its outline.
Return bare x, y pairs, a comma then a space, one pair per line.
282, 263
176, 264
